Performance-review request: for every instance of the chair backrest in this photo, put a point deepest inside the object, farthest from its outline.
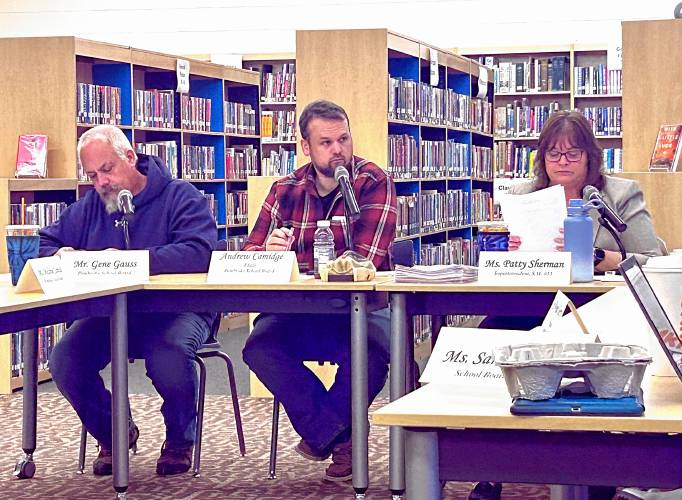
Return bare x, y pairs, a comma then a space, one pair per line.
212, 339
402, 252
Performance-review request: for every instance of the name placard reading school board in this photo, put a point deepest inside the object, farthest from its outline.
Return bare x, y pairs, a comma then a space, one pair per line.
252, 267
524, 268
41, 275
106, 266
466, 356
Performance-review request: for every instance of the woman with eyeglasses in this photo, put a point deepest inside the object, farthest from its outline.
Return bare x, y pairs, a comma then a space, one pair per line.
568, 154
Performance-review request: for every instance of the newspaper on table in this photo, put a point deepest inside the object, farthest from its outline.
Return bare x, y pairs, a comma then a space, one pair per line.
451, 273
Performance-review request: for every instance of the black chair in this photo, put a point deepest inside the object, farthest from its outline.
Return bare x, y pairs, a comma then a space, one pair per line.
402, 253
210, 349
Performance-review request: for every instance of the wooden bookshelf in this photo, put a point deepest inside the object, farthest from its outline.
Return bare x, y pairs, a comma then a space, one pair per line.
18, 382
649, 101
665, 208
353, 68
602, 105
650, 75
277, 103
41, 97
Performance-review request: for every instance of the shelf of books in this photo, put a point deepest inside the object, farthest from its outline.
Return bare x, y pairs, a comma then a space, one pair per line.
208, 135
429, 130
532, 82
277, 110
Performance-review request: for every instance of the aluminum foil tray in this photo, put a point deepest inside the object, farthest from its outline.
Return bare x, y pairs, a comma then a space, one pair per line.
535, 371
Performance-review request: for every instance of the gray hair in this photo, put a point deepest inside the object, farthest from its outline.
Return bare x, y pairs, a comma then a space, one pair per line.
110, 134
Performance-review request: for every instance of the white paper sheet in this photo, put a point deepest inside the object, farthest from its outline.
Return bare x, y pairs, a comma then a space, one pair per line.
466, 356
536, 217
614, 316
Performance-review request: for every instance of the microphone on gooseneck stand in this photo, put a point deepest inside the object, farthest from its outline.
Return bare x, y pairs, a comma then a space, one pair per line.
609, 219
342, 177
125, 203
126, 207
350, 204
591, 193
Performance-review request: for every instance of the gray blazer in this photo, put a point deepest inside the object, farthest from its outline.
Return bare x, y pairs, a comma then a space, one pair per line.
626, 199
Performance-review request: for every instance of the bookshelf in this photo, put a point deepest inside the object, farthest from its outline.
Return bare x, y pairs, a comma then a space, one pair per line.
429, 147
532, 81
650, 100
207, 134
277, 110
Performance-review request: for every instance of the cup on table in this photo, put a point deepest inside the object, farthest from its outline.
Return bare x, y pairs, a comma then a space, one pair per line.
23, 243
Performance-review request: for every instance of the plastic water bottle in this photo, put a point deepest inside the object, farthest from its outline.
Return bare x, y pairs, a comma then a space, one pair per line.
323, 246
578, 241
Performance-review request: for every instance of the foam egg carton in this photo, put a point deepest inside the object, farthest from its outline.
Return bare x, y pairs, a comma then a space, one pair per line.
535, 371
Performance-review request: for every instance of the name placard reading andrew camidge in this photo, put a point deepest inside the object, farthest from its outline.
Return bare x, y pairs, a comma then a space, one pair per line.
106, 266
524, 268
252, 267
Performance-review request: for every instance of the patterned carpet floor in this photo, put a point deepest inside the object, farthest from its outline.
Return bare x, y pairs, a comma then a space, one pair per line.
225, 474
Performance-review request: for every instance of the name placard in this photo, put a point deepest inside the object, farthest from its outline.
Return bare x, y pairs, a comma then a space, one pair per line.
252, 267
109, 266
556, 311
42, 275
466, 356
524, 268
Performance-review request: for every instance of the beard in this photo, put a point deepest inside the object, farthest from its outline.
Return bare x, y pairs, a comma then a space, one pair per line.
329, 169
109, 197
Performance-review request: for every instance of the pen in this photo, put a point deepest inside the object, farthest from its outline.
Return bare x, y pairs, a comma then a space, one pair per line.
290, 235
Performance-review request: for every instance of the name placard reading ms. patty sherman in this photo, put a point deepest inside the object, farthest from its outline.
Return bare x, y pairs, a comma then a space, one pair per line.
524, 268
106, 266
252, 267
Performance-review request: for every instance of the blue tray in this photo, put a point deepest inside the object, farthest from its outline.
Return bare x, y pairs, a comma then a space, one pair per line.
579, 404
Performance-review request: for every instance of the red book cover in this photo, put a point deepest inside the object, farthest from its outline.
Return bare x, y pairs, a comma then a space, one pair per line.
667, 149
31, 156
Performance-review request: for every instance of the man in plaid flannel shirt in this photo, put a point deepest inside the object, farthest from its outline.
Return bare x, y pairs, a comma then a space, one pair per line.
279, 343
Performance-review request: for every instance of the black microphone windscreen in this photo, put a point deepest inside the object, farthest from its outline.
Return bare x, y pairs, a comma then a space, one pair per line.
340, 171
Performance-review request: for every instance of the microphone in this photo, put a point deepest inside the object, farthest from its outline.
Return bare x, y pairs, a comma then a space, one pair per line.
352, 209
591, 193
125, 203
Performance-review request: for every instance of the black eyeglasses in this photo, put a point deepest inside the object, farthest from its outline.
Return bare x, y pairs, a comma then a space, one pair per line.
572, 155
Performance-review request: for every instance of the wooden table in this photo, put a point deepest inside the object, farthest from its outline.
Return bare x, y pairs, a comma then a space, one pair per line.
454, 433
27, 312
190, 292
408, 299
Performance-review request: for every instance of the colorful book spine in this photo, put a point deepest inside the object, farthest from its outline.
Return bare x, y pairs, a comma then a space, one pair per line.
240, 162
98, 104
279, 162
198, 162
237, 208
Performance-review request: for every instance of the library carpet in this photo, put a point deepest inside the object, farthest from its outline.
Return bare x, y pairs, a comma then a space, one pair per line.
224, 473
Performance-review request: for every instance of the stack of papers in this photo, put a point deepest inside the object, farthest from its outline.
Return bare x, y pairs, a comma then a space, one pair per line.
453, 273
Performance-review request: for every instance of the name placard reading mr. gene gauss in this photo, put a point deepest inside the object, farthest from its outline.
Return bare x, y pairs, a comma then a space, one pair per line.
120, 266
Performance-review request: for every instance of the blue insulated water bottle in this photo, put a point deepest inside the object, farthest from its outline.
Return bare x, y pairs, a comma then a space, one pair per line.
578, 241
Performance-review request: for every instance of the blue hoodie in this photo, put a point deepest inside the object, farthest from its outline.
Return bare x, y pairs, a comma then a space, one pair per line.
172, 220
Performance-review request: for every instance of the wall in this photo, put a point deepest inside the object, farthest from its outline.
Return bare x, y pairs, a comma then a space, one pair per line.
265, 26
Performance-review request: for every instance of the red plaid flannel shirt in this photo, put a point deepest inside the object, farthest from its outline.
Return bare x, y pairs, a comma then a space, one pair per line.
293, 202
